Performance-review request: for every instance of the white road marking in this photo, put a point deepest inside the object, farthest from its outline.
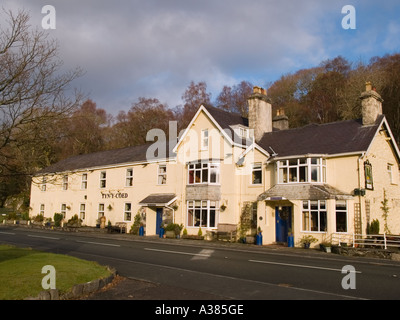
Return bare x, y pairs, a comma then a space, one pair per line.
11, 233
99, 243
299, 266
229, 277
33, 236
203, 255
200, 255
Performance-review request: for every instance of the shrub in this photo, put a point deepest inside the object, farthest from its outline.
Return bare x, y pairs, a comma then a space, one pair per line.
137, 221
373, 227
174, 227
58, 217
38, 218
75, 220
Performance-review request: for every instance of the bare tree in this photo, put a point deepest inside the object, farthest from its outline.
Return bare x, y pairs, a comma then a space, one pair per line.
32, 88
32, 91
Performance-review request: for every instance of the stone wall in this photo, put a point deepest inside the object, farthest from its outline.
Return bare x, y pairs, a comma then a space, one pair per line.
77, 291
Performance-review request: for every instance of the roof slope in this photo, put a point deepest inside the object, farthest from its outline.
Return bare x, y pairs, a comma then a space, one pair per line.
331, 138
303, 192
102, 158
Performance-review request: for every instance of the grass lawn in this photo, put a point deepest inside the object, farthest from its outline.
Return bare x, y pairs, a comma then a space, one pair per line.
21, 272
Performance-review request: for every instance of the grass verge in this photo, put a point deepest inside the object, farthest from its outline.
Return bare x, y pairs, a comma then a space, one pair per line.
21, 272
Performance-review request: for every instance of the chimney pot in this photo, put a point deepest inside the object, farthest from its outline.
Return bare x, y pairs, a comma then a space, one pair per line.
260, 112
371, 103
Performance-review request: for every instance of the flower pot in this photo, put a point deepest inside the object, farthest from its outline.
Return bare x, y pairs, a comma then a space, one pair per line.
306, 245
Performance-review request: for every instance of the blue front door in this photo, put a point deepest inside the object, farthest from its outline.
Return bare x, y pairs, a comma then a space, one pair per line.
159, 219
283, 219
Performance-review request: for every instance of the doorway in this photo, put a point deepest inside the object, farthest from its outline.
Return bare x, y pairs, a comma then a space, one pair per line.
283, 222
159, 216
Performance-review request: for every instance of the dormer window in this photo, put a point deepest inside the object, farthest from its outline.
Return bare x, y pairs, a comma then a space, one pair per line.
302, 170
240, 131
243, 132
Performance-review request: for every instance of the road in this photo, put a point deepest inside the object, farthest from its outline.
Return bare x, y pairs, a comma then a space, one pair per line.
238, 272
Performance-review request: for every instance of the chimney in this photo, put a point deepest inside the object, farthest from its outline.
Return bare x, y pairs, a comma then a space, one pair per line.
371, 103
280, 121
260, 112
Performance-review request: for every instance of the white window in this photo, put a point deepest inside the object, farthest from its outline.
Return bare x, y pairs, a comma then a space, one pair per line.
301, 170
43, 186
314, 217
129, 177
82, 211
341, 216
101, 210
162, 174
390, 172
84, 181
204, 139
256, 173
64, 210
103, 178
128, 212
202, 213
65, 183
41, 212
203, 173
244, 133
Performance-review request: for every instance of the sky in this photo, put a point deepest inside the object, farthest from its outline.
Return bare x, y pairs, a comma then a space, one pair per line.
155, 48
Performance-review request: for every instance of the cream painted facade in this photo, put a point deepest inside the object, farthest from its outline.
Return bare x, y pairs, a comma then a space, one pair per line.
216, 171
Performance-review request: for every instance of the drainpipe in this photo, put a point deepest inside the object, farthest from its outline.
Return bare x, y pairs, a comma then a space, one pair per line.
173, 212
359, 186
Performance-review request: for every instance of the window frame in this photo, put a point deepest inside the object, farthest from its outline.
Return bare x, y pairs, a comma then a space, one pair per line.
65, 182
311, 213
162, 175
84, 181
202, 208
82, 211
129, 177
389, 169
205, 139
103, 179
256, 167
205, 171
63, 210
100, 210
43, 186
345, 211
286, 169
42, 209
128, 211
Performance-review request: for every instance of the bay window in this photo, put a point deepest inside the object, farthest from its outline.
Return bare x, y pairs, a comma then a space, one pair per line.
203, 173
303, 170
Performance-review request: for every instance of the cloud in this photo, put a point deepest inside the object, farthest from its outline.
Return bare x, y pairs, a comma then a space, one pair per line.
155, 48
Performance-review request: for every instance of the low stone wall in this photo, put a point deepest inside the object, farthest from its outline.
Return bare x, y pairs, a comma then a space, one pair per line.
77, 291
367, 252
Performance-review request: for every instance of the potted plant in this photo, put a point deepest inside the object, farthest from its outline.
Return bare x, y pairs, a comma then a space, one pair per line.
326, 246
307, 240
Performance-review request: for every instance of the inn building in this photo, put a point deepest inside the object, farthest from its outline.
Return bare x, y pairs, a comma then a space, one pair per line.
321, 179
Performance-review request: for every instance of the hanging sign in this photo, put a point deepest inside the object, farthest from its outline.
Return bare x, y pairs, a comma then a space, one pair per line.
369, 183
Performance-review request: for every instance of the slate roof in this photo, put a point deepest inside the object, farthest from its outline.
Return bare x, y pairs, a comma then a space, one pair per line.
100, 159
332, 138
228, 119
303, 192
160, 199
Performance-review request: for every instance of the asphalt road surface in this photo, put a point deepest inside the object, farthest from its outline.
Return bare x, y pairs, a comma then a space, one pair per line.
203, 270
